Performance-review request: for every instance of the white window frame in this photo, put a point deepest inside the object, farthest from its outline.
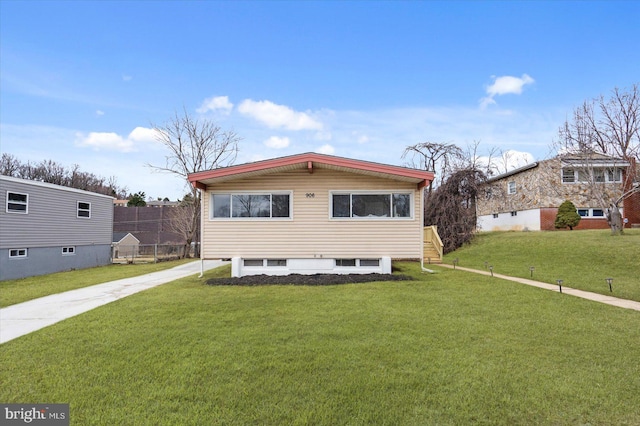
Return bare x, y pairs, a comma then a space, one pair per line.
78, 210
606, 175
357, 262
590, 212
15, 253
511, 187
232, 193
390, 193
19, 203
69, 251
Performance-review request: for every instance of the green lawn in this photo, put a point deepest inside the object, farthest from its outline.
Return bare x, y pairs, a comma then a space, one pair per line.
582, 259
21, 290
451, 348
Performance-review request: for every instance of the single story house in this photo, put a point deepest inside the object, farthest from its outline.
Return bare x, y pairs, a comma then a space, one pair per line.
125, 244
47, 228
311, 213
528, 198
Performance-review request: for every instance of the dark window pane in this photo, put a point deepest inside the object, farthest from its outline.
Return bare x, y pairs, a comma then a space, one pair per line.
371, 205
401, 205
598, 212
250, 205
341, 206
280, 205
84, 206
345, 262
21, 198
221, 205
17, 207
369, 262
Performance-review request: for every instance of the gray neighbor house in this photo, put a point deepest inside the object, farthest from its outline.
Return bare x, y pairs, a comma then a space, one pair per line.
47, 228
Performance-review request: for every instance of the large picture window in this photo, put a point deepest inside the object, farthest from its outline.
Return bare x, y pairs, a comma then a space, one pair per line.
17, 203
368, 205
276, 205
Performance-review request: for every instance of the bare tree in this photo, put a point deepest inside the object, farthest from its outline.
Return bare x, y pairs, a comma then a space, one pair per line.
181, 222
606, 127
440, 158
51, 172
195, 145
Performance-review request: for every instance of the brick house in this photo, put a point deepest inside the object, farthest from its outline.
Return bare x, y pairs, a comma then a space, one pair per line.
528, 198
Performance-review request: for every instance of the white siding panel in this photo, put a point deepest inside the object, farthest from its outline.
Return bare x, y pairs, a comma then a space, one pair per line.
312, 233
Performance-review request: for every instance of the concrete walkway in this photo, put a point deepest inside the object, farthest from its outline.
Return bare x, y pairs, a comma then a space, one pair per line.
609, 300
23, 318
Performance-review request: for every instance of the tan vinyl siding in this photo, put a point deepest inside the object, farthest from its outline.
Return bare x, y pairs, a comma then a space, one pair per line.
311, 233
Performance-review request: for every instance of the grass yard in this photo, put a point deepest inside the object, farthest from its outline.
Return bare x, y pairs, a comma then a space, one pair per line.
582, 259
23, 289
451, 348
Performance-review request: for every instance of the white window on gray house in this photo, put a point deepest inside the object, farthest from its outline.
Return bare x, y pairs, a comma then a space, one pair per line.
84, 209
17, 253
239, 206
17, 202
68, 251
368, 205
511, 187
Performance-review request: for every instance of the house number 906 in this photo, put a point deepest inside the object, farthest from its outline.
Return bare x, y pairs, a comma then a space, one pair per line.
310, 194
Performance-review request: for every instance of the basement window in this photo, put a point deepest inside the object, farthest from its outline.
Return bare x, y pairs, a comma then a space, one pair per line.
276, 262
68, 251
253, 262
345, 262
369, 262
17, 253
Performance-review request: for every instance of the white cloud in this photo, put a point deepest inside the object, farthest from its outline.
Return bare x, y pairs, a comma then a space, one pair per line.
110, 141
278, 116
277, 142
505, 85
326, 149
510, 159
215, 103
104, 140
143, 134
99, 113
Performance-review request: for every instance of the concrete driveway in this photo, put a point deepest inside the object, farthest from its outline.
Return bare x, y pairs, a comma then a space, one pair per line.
23, 318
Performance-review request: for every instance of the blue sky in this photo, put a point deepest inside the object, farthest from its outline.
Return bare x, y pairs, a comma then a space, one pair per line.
83, 82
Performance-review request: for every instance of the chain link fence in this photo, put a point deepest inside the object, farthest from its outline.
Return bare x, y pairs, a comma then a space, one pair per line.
151, 253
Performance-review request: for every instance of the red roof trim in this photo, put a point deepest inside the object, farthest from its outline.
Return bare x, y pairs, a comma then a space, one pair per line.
307, 158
